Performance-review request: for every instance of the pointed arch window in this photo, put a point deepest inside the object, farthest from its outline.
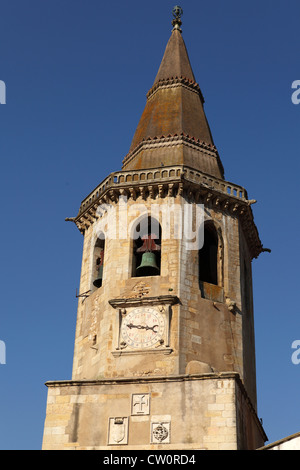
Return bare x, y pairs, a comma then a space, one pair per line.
211, 264
146, 248
98, 261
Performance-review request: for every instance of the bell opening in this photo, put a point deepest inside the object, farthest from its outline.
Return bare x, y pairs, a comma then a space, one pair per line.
98, 281
147, 248
98, 261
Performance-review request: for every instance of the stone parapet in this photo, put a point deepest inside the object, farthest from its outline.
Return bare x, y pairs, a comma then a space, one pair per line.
172, 181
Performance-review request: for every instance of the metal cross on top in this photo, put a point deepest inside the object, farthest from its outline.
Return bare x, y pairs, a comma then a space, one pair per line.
177, 13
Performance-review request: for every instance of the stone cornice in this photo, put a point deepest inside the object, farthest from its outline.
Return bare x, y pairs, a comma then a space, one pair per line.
144, 379
144, 301
173, 181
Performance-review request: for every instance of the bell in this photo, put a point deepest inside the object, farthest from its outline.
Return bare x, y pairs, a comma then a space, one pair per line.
98, 281
148, 266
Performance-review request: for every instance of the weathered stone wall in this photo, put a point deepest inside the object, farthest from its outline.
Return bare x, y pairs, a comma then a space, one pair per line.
203, 330
247, 313
199, 412
211, 341
96, 317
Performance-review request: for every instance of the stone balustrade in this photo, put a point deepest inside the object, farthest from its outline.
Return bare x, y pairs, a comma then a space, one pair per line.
122, 179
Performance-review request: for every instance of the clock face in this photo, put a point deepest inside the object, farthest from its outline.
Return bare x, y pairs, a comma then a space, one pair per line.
142, 327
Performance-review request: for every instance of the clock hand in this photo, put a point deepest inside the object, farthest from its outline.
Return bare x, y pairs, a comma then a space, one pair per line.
152, 328
131, 325
142, 327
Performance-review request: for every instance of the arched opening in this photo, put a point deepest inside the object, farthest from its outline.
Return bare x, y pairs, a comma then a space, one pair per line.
208, 256
146, 248
98, 261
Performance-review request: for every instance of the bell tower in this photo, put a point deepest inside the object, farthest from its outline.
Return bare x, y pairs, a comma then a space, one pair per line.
164, 354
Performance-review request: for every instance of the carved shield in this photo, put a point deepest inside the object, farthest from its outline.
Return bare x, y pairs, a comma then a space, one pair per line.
118, 430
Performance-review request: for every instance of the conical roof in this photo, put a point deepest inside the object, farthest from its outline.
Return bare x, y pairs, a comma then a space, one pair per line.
174, 113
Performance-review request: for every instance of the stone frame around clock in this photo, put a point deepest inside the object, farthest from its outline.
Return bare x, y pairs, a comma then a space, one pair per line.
126, 305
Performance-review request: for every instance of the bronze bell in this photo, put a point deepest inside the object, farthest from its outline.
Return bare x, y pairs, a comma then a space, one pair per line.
98, 281
148, 266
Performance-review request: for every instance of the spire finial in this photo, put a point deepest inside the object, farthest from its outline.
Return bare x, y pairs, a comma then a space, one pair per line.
177, 13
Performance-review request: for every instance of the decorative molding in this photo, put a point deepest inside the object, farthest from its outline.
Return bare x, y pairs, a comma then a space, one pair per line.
137, 352
178, 181
172, 140
174, 82
146, 379
144, 301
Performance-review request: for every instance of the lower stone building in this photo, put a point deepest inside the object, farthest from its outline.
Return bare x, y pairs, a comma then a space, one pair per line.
182, 412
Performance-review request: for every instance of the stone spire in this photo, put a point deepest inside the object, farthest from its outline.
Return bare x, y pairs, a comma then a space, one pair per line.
174, 116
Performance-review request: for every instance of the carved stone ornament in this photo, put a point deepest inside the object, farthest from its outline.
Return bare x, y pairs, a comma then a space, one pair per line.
160, 433
140, 404
118, 431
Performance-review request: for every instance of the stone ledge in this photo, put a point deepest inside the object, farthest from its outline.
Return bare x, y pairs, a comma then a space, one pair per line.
119, 353
132, 302
126, 380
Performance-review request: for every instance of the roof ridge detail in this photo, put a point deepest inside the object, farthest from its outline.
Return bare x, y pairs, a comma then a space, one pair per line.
167, 139
165, 82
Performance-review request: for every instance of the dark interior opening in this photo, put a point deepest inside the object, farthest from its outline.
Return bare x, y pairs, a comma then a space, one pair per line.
98, 262
208, 257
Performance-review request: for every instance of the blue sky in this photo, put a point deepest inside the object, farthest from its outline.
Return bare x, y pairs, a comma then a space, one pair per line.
76, 74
